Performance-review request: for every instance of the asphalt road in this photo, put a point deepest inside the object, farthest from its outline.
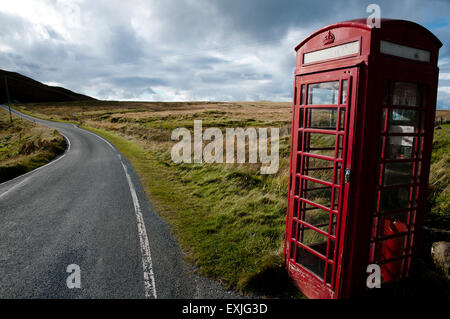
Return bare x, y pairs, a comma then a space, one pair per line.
88, 208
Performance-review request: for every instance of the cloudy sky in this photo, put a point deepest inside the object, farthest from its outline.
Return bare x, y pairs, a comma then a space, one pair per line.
169, 50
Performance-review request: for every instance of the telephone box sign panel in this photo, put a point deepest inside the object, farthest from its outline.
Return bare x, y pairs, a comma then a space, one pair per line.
362, 130
335, 52
404, 51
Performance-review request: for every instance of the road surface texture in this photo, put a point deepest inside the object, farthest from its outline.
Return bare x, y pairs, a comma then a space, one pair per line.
88, 208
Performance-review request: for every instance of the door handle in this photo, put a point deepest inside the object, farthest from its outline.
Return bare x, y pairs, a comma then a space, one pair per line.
347, 175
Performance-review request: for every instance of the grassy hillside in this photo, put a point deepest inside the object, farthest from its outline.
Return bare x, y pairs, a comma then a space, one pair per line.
25, 146
229, 218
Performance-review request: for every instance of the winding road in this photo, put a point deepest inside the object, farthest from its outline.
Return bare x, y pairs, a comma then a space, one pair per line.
88, 208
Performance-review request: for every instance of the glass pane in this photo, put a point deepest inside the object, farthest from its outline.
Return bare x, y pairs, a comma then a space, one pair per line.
391, 248
344, 91
298, 164
336, 200
300, 117
323, 118
333, 226
331, 252
302, 95
299, 142
337, 179
341, 119
316, 217
297, 186
400, 147
312, 262
398, 173
403, 121
296, 208
394, 224
313, 239
319, 169
329, 273
394, 199
321, 144
406, 94
317, 193
294, 229
323, 93
340, 146
391, 271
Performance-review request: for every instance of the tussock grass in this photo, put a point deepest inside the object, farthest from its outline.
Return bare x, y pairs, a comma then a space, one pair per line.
439, 199
25, 146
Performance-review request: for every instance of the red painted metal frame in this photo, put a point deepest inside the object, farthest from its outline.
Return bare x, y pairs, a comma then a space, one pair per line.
357, 231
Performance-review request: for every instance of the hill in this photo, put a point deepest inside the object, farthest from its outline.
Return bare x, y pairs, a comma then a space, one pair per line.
24, 90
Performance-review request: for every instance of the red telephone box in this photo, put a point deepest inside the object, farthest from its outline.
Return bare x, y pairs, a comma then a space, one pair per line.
362, 129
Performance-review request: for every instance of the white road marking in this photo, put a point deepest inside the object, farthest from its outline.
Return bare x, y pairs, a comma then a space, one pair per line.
149, 277
147, 265
14, 187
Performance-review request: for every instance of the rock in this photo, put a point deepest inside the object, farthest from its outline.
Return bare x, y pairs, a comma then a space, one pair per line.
440, 252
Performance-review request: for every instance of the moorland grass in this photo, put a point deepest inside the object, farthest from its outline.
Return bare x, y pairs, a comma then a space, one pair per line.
439, 200
25, 146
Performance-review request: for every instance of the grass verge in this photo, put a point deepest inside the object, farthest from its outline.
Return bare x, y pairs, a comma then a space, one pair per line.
25, 146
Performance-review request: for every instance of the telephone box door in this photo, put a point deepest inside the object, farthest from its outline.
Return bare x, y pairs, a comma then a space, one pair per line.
323, 118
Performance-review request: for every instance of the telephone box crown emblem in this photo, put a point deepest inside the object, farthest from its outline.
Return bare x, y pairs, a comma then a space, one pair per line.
329, 38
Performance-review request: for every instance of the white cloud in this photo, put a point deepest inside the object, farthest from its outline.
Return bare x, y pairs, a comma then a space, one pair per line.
52, 83
443, 98
444, 89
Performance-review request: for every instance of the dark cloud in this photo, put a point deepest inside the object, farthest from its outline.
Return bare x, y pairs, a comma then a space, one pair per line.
53, 34
267, 20
137, 81
125, 46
